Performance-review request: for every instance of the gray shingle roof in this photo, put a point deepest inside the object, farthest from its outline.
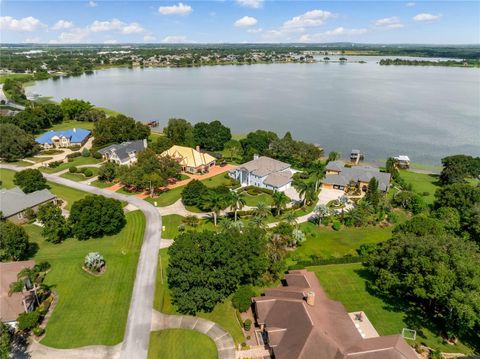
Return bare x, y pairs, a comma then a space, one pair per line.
123, 149
359, 173
13, 201
278, 179
335, 166
264, 166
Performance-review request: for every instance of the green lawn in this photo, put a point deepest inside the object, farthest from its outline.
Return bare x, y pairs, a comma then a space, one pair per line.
347, 283
15, 77
77, 161
101, 184
79, 176
66, 125
181, 344
172, 221
6, 176
422, 183
91, 310
252, 201
38, 159
218, 180
224, 314
166, 198
326, 243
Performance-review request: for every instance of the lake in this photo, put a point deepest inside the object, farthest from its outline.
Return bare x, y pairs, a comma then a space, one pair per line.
424, 112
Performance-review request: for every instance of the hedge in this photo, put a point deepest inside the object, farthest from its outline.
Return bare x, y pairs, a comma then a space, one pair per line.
325, 261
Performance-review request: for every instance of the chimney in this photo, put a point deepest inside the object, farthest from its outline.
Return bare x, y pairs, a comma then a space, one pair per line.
197, 148
311, 298
256, 156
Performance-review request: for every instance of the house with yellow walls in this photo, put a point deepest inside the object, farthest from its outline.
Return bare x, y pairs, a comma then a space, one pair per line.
192, 160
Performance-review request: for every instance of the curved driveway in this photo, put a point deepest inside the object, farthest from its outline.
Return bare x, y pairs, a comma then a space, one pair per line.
137, 333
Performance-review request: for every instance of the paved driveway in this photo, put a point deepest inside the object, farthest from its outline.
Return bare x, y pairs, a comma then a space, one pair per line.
326, 195
137, 332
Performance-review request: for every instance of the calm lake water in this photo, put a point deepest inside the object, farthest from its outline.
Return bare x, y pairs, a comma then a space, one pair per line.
424, 112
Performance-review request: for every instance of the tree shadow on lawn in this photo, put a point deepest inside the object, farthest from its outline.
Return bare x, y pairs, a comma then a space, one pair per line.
32, 250
414, 316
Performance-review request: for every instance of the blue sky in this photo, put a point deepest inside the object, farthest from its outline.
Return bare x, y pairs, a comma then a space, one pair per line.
216, 21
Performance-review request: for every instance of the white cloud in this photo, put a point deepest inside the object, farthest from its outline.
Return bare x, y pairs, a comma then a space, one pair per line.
75, 35
132, 28
309, 19
254, 31
149, 38
62, 24
175, 39
255, 4
110, 41
389, 22
328, 35
116, 25
92, 3
32, 40
410, 4
27, 24
180, 9
245, 21
426, 17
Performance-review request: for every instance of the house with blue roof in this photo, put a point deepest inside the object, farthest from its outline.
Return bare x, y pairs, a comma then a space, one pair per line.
62, 139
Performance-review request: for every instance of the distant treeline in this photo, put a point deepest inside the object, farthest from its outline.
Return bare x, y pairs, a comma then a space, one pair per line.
452, 63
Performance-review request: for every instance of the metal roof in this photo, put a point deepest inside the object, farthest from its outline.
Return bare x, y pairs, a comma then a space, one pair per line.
75, 135
13, 201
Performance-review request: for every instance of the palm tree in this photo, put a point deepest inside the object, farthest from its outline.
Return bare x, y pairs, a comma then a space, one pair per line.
215, 202
291, 219
306, 191
237, 201
262, 210
318, 171
226, 225
321, 211
280, 201
191, 221
257, 221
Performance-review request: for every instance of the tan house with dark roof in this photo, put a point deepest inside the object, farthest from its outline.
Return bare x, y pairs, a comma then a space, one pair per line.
301, 322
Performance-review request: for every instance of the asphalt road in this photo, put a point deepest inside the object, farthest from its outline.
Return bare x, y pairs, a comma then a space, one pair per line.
137, 333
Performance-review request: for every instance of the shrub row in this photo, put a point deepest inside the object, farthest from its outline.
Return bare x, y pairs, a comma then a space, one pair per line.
253, 191
324, 261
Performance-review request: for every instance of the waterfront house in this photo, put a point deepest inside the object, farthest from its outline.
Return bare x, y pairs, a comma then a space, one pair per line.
14, 202
402, 161
299, 321
192, 160
63, 139
264, 172
339, 176
14, 304
125, 153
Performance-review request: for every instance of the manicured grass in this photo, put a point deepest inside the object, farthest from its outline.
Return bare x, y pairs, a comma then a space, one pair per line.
422, 183
347, 283
6, 176
91, 310
38, 159
224, 314
77, 161
253, 201
172, 221
128, 193
326, 243
154, 135
108, 112
215, 181
79, 176
101, 184
181, 344
67, 125
166, 198
239, 136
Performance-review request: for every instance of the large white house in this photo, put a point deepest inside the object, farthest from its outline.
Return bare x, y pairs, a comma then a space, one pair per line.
125, 153
264, 172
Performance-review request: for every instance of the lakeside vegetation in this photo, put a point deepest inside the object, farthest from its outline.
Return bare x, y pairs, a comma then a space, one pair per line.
447, 63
